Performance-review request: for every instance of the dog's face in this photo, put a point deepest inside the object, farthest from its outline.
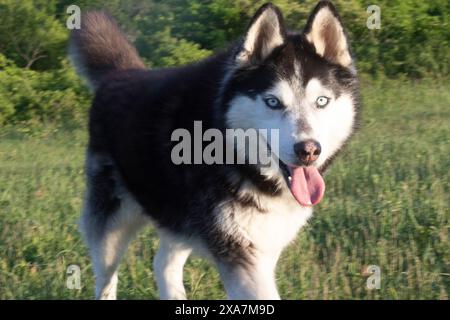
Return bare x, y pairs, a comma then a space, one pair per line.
304, 85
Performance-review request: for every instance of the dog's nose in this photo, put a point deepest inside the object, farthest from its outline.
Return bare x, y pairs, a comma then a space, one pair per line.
307, 151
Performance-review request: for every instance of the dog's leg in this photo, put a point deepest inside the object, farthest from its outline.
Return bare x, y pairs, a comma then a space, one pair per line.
252, 280
107, 241
168, 267
111, 218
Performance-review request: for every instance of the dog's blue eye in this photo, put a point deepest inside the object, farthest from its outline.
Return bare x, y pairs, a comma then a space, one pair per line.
322, 101
273, 102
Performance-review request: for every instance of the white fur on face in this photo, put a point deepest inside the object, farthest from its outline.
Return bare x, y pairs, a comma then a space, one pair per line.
247, 113
330, 126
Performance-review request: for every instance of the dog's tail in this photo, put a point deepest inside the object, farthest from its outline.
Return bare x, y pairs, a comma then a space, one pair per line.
99, 47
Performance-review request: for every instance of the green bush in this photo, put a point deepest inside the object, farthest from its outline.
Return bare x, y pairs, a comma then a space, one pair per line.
28, 95
37, 83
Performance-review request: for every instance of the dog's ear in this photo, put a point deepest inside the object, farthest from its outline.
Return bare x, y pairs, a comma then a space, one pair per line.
325, 32
265, 33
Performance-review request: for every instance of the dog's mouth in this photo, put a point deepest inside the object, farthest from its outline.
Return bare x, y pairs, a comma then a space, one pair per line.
306, 183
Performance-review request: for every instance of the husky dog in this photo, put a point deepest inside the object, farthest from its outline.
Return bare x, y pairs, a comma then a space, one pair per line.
239, 216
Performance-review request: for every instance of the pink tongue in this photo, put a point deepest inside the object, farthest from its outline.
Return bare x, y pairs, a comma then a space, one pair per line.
307, 185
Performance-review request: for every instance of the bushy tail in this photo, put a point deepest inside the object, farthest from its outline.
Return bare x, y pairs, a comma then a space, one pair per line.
100, 47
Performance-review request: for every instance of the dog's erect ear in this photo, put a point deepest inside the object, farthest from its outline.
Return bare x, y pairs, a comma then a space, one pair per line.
326, 33
265, 33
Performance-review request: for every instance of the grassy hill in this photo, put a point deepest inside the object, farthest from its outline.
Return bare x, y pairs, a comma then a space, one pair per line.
386, 204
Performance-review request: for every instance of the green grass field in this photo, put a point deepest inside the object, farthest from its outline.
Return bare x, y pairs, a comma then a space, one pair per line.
387, 204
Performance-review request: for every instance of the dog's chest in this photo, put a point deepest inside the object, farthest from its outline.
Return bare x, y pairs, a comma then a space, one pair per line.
272, 230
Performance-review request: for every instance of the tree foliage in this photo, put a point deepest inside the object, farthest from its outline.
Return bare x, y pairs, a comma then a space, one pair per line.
36, 81
30, 34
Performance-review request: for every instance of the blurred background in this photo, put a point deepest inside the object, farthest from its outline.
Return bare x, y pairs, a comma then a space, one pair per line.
387, 201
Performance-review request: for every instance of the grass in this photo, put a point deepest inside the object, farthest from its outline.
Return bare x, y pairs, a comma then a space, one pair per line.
387, 204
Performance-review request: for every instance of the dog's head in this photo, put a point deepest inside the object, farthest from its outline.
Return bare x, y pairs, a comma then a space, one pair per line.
303, 84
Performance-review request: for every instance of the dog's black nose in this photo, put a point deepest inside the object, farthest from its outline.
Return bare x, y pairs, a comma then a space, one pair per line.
307, 151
